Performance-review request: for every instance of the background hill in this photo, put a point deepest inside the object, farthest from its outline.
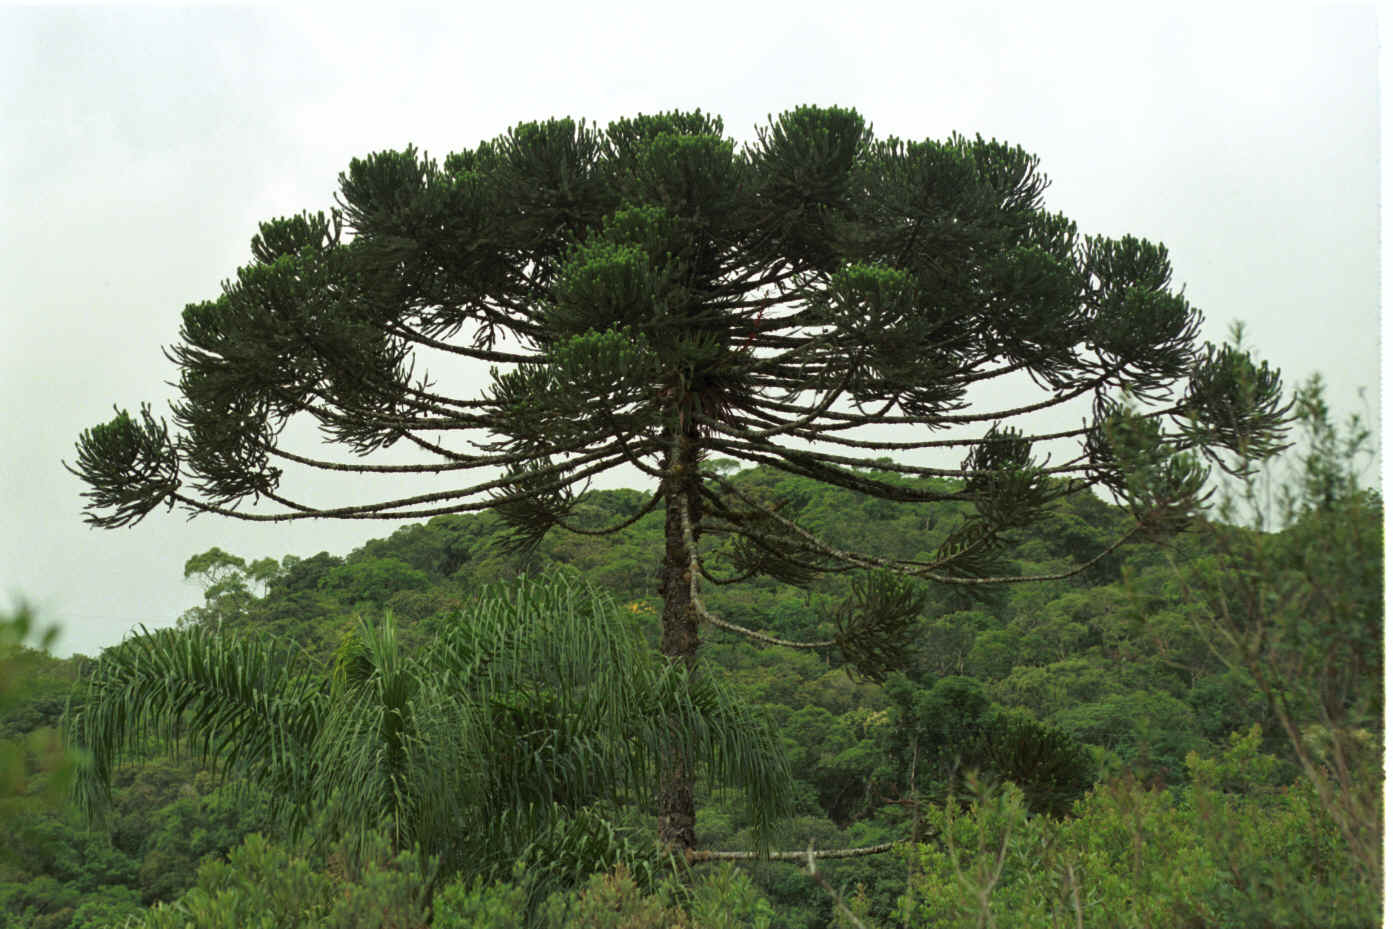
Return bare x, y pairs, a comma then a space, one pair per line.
1053, 686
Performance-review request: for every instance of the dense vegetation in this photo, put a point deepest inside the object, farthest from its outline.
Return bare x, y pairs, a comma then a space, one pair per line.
1188, 735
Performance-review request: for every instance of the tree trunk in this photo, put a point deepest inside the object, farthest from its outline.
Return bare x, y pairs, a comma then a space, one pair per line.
676, 806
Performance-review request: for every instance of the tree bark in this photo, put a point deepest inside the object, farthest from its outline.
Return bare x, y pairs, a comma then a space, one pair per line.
676, 805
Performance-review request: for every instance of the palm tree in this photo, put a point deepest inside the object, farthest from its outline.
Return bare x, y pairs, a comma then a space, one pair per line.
538, 711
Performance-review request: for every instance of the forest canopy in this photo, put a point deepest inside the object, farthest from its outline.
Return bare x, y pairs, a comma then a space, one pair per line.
1182, 749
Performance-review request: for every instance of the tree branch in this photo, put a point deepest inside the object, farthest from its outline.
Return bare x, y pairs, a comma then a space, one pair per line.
871, 562
702, 855
694, 571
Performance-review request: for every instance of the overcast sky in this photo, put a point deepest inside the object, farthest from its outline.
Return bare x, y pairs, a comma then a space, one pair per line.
141, 148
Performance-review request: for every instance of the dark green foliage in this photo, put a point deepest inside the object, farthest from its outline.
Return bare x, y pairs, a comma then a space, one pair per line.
937, 737
1224, 703
192, 826
263, 883
43, 844
372, 580
46, 903
439, 549
305, 574
1051, 766
34, 687
131, 467
1150, 731
875, 624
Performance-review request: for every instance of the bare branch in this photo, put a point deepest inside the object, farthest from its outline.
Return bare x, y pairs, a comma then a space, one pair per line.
862, 560
480, 354
390, 509
827, 853
694, 571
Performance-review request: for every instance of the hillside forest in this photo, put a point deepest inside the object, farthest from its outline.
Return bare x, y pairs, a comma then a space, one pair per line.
1189, 733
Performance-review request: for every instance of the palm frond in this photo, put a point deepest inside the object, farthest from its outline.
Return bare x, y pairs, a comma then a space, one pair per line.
570, 682
693, 714
249, 707
540, 701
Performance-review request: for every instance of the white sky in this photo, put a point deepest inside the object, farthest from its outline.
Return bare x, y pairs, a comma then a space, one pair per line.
141, 148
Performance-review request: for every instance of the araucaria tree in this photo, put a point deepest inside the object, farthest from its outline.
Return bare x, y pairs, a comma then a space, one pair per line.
652, 295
